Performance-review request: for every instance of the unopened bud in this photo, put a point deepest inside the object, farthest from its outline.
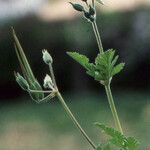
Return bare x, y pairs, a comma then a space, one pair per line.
48, 83
91, 11
21, 81
89, 17
77, 7
47, 57
86, 15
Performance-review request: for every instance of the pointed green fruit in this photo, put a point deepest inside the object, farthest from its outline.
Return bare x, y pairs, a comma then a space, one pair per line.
36, 96
21, 81
29, 81
24, 64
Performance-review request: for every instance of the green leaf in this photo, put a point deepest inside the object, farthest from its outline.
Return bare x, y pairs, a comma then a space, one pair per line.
84, 61
110, 131
118, 139
117, 68
104, 68
81, 59
99, 148
106, 147
103, 147
132, 143
103, 63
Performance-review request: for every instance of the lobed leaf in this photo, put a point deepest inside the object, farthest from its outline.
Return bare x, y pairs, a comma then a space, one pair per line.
81, 59
117, 68
118, 139
132, 143
105, 65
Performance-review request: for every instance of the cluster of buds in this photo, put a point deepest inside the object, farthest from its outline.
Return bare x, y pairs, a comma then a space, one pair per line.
89, 14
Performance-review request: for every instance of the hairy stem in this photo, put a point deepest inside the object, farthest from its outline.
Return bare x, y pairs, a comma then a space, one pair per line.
97, 35
68, 111
113, 108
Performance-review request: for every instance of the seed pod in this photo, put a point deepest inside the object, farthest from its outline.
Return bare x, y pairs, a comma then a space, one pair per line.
36, 96
21, 81
47, 57
39, 88
77, 7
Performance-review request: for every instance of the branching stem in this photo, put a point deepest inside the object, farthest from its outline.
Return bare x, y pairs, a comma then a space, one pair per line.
68, 111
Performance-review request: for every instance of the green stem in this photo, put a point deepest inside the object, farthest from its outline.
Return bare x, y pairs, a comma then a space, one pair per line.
97, 35
68, 111
113, 108
107, 87
52, 75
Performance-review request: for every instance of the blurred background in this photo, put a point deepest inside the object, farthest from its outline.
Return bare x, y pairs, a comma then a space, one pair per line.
54, 25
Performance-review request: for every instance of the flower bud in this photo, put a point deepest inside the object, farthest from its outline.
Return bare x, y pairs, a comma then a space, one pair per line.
86, 15
21, 81
47, 57
77, 7
89, 17
91, 11
48, 83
